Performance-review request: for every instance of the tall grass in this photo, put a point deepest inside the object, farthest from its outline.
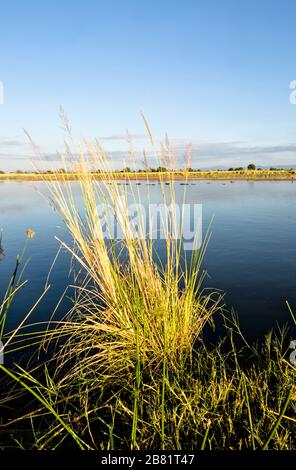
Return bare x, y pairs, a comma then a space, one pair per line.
131, 368
14, 285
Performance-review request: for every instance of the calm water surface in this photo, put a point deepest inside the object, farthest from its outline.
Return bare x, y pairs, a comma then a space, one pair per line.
251, 255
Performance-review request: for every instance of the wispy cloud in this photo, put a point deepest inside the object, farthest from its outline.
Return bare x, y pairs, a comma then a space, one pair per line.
234, 147
16, 155
11, 143
237, 153
239, 148
123, 137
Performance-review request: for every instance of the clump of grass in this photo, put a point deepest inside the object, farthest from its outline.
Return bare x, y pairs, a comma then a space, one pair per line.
131, 306
132, 369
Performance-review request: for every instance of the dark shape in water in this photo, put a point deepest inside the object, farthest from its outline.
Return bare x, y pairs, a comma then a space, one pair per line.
1, 250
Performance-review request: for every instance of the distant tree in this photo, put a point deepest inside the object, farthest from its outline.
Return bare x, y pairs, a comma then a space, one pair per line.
2, 172
230, 169
19, 172
161, 169
239, 168
127, 169
251, 166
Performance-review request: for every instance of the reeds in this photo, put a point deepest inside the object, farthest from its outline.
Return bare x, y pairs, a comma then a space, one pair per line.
137, 302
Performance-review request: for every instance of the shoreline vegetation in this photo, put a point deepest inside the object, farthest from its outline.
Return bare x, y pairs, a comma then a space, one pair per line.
156, 175
130, 367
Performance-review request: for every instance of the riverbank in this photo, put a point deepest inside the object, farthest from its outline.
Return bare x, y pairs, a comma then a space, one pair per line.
262, 175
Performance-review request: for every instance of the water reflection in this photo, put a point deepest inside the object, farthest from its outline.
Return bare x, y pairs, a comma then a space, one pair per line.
1, 248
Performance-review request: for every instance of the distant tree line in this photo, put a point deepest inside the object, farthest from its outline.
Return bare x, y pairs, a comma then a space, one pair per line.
159, 169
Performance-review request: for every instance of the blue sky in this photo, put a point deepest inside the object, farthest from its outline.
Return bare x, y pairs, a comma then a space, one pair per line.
215, 73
